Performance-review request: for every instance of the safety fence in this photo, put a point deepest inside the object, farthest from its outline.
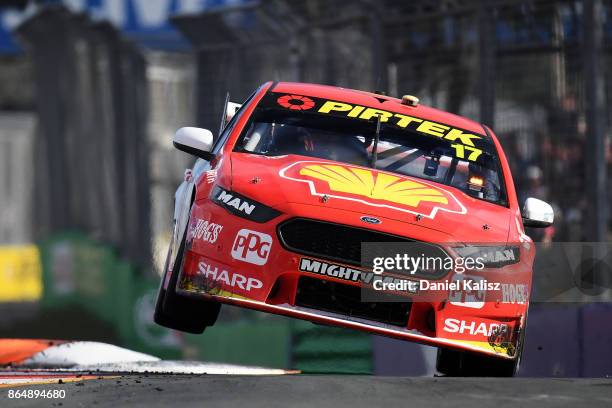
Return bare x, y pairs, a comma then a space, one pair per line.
91, 151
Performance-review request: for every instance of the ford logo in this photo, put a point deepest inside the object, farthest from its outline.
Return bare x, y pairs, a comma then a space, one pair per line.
370, 220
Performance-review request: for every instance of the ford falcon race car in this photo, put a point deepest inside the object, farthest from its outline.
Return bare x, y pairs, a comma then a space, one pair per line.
279, 210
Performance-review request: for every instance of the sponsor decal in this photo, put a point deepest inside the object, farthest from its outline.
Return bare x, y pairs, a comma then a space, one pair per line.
501, 257
374, 188
473, 328
469, 293
370, 220
218, 276
242, 206
490, 256
463, 142
354, 275
500, 341
296, 102
252, 247
514, 293
333, 270
206, 231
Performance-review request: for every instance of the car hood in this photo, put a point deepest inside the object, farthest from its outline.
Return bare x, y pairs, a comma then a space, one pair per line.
282, 181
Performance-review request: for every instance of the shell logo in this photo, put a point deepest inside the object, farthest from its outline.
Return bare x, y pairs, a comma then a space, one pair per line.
373, 187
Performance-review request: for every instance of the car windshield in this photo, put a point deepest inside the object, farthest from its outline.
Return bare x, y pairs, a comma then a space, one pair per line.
468, 162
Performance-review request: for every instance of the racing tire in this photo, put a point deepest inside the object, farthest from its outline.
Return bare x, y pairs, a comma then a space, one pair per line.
454, 363
179, 312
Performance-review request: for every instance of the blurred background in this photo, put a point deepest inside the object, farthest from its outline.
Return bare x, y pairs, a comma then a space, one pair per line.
91, 92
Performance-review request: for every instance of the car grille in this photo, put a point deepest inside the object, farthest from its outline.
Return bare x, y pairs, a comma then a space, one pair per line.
346, 300
330, 241
342, 243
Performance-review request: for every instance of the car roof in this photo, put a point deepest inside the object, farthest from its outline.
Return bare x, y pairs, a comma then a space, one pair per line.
374, 100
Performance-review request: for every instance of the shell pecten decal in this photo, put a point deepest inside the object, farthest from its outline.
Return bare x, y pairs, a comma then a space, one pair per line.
373, 187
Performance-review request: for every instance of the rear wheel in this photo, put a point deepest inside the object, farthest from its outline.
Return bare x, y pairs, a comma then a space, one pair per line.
179, 312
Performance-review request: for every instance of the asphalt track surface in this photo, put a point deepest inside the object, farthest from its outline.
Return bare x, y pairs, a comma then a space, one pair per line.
321, 390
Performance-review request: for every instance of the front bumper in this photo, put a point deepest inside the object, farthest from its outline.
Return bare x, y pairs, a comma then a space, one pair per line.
209, 271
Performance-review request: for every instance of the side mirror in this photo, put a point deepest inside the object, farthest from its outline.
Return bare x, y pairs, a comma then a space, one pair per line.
537, 213
195, 141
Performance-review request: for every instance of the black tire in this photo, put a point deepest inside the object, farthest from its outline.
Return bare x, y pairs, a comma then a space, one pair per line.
183, 313
454, 363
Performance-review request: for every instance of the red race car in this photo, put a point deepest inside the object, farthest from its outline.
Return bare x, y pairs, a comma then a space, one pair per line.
298, 206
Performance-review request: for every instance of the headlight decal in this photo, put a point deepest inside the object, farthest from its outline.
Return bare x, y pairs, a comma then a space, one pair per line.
491, 256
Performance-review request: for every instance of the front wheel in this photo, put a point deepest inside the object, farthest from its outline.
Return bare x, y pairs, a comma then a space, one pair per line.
454, 363
179, 312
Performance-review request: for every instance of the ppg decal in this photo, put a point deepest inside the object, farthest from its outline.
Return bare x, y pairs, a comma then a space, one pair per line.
252, 247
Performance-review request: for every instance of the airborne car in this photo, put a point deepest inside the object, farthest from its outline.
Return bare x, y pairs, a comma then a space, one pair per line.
274, 213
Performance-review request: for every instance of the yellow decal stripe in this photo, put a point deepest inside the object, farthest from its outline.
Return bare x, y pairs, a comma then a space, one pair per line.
463, 141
